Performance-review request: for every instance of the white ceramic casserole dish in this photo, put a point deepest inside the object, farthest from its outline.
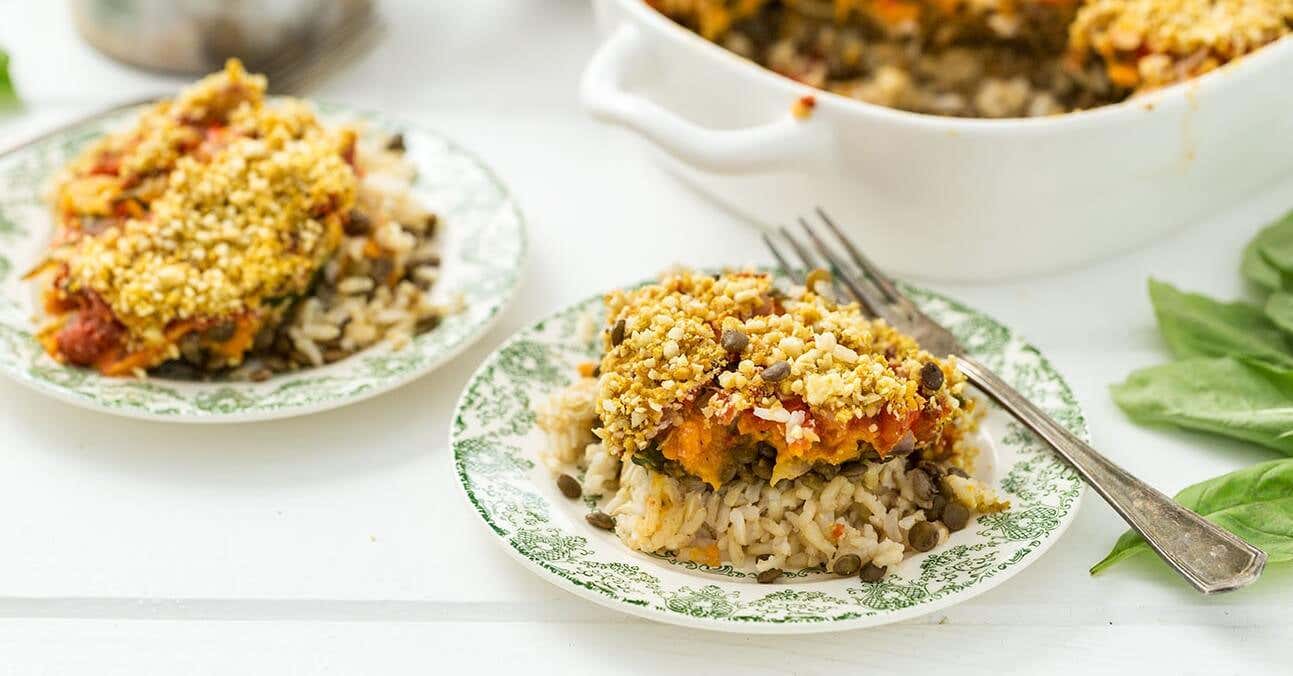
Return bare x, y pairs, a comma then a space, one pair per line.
940, 197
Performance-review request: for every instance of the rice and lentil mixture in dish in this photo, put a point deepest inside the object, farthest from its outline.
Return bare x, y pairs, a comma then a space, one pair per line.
729, 421
987, 58
228, 235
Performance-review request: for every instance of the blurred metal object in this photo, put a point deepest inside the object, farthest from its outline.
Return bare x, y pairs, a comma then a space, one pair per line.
292, 40
293, 69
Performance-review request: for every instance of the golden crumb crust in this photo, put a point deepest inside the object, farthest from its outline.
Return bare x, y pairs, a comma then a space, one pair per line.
209, 207
1152, 43
732, 345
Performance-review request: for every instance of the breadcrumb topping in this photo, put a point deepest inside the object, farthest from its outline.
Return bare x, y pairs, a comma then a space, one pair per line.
1152, 43
250, 200
664, 349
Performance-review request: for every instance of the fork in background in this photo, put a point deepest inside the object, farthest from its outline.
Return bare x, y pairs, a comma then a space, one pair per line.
1209, 557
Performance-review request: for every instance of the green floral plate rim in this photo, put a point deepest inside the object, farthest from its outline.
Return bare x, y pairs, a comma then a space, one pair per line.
495, 446
483, 251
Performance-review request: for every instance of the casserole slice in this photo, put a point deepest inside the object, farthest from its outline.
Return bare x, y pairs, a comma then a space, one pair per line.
710, 375
982, 58
193, 230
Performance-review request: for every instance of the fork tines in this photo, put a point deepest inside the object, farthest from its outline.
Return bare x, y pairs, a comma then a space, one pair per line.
860, 278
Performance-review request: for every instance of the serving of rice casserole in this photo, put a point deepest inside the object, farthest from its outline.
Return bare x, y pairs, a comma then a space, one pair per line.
227, 235
731, 422
987, 58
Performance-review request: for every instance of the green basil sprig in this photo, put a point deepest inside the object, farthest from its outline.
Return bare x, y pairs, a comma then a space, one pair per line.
1233, 377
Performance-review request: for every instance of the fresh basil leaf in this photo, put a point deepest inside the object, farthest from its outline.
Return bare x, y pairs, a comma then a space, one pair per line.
1279, 309
1236, 398
1197, 326
8, 95
1254, 265
1276, 248
1255, 268
1255, 503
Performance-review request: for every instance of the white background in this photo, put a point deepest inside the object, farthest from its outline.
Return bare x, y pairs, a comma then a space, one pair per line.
338, 542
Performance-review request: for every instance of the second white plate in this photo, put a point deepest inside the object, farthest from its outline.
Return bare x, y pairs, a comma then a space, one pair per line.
483, 240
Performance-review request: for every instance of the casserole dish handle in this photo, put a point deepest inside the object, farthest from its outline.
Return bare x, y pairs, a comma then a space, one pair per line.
776, 145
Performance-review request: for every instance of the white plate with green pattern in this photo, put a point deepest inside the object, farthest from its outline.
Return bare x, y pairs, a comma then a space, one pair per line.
483, 240
495, 452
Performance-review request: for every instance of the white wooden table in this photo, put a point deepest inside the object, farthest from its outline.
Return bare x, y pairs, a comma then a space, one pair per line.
339, 542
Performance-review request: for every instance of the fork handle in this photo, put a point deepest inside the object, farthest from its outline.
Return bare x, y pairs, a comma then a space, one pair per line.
1211, 558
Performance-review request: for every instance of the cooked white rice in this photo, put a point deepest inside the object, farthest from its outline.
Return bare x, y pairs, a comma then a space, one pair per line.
756, 526
800, 524
377, 287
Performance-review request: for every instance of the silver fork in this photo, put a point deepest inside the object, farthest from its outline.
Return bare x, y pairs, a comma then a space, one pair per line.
1212, 559
293, 71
